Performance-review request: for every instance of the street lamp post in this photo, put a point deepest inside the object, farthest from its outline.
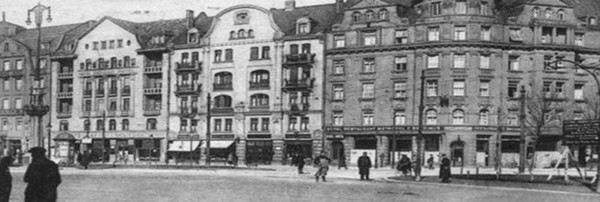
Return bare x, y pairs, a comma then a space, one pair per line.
594, 71
36, 108
420, 129
208, 103
49, 127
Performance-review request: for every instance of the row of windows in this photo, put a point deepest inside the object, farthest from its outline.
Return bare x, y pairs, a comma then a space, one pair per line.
112, 125
109, 44
18, 65
241, 34
17, 103
460, 7
459, 88
549, 13
369, 15
399, 117
193, 125
6, 124
18, 84
112, 105
111, 63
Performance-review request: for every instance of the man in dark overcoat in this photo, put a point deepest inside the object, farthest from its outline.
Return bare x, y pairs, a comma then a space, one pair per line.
445, 169
364, 164
42, 177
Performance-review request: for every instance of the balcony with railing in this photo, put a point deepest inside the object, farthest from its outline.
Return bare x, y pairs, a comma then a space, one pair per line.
222, 86
99, 92
189, 67
302, 58
188, 89
299, 109
188, 111
152, 91
222, 110
259, 108
64, 95
126, 91
112, 92
12, 112
65, 75
151, 112
63, 114
259, 85
87, 93
153, 68
299, 84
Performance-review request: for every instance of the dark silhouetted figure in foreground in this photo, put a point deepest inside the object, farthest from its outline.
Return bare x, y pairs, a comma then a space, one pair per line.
445, 169
5, 178
42, 177
322, 162
364, 164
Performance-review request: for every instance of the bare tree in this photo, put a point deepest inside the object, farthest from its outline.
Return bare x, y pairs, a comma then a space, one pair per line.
543, 113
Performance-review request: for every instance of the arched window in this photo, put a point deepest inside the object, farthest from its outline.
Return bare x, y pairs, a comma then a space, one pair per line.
222, 101
242, 33
125, 124
431, 117
484, 117
370, 15
383, 14
259, 76
458, 117
356, 16
151, 124
223, 78
250, 33
548, 13
259, 100
536, 12
101, 63
560, 14
112, 124
88, 64
113, 62
232, 35
99, 125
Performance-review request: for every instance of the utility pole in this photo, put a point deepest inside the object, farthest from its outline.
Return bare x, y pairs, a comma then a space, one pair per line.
523, 145
103, 135
208, 103
420, 131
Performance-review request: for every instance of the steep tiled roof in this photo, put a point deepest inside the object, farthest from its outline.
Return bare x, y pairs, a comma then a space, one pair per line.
322, 16
202, 22
51, 34
350, 3
72, 36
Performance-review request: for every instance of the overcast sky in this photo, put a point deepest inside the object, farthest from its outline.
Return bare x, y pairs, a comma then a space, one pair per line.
72, 11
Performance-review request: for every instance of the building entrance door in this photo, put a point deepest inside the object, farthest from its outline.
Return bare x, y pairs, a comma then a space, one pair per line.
337, 149
456, 153
259, 151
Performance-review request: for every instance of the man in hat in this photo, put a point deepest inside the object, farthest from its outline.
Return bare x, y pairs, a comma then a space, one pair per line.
42, 177
445, 169
364, 164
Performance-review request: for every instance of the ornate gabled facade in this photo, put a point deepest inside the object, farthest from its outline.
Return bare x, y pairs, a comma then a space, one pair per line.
475, 55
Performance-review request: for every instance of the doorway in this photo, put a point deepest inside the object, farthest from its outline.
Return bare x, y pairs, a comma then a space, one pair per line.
456, 153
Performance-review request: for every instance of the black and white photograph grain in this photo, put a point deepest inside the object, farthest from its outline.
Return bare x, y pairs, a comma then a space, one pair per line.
299, 100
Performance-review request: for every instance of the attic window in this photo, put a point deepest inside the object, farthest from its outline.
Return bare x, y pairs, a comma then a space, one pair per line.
241, 18
370, 15
303, 28
592, 21
193, 36
356, 16
535, 12
561, 14
383, 14
548, 13
45, 45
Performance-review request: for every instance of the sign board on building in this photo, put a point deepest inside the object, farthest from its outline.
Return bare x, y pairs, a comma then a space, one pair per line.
581, 132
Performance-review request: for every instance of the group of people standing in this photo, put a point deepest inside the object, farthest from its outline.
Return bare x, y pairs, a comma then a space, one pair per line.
42, 178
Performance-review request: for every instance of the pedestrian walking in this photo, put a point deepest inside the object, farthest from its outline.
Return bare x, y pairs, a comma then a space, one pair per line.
342, 162
85, 159
42, 177
364, 164
322, 162
430, 162
445, 169
405, 165
5, 178
299, 158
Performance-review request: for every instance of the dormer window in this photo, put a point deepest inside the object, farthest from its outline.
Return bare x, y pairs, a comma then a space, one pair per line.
250, 33
560, 14
592, 21
383, 14
303, 28
193, 36
535, 12
356, 16
436, 8
232, 35
370, 15
548, 13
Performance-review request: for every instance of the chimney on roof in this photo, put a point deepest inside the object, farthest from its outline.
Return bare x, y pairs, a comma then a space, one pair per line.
189, 17
290, 5
339, 6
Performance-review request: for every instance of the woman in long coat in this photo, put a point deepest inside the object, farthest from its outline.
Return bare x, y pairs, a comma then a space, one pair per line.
5, 179
445, 168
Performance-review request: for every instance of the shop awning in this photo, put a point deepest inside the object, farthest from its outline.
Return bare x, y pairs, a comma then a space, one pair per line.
183, 145
64, 136
219, 144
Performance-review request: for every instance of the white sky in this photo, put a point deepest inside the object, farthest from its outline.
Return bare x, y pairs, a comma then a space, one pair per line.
73, 11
